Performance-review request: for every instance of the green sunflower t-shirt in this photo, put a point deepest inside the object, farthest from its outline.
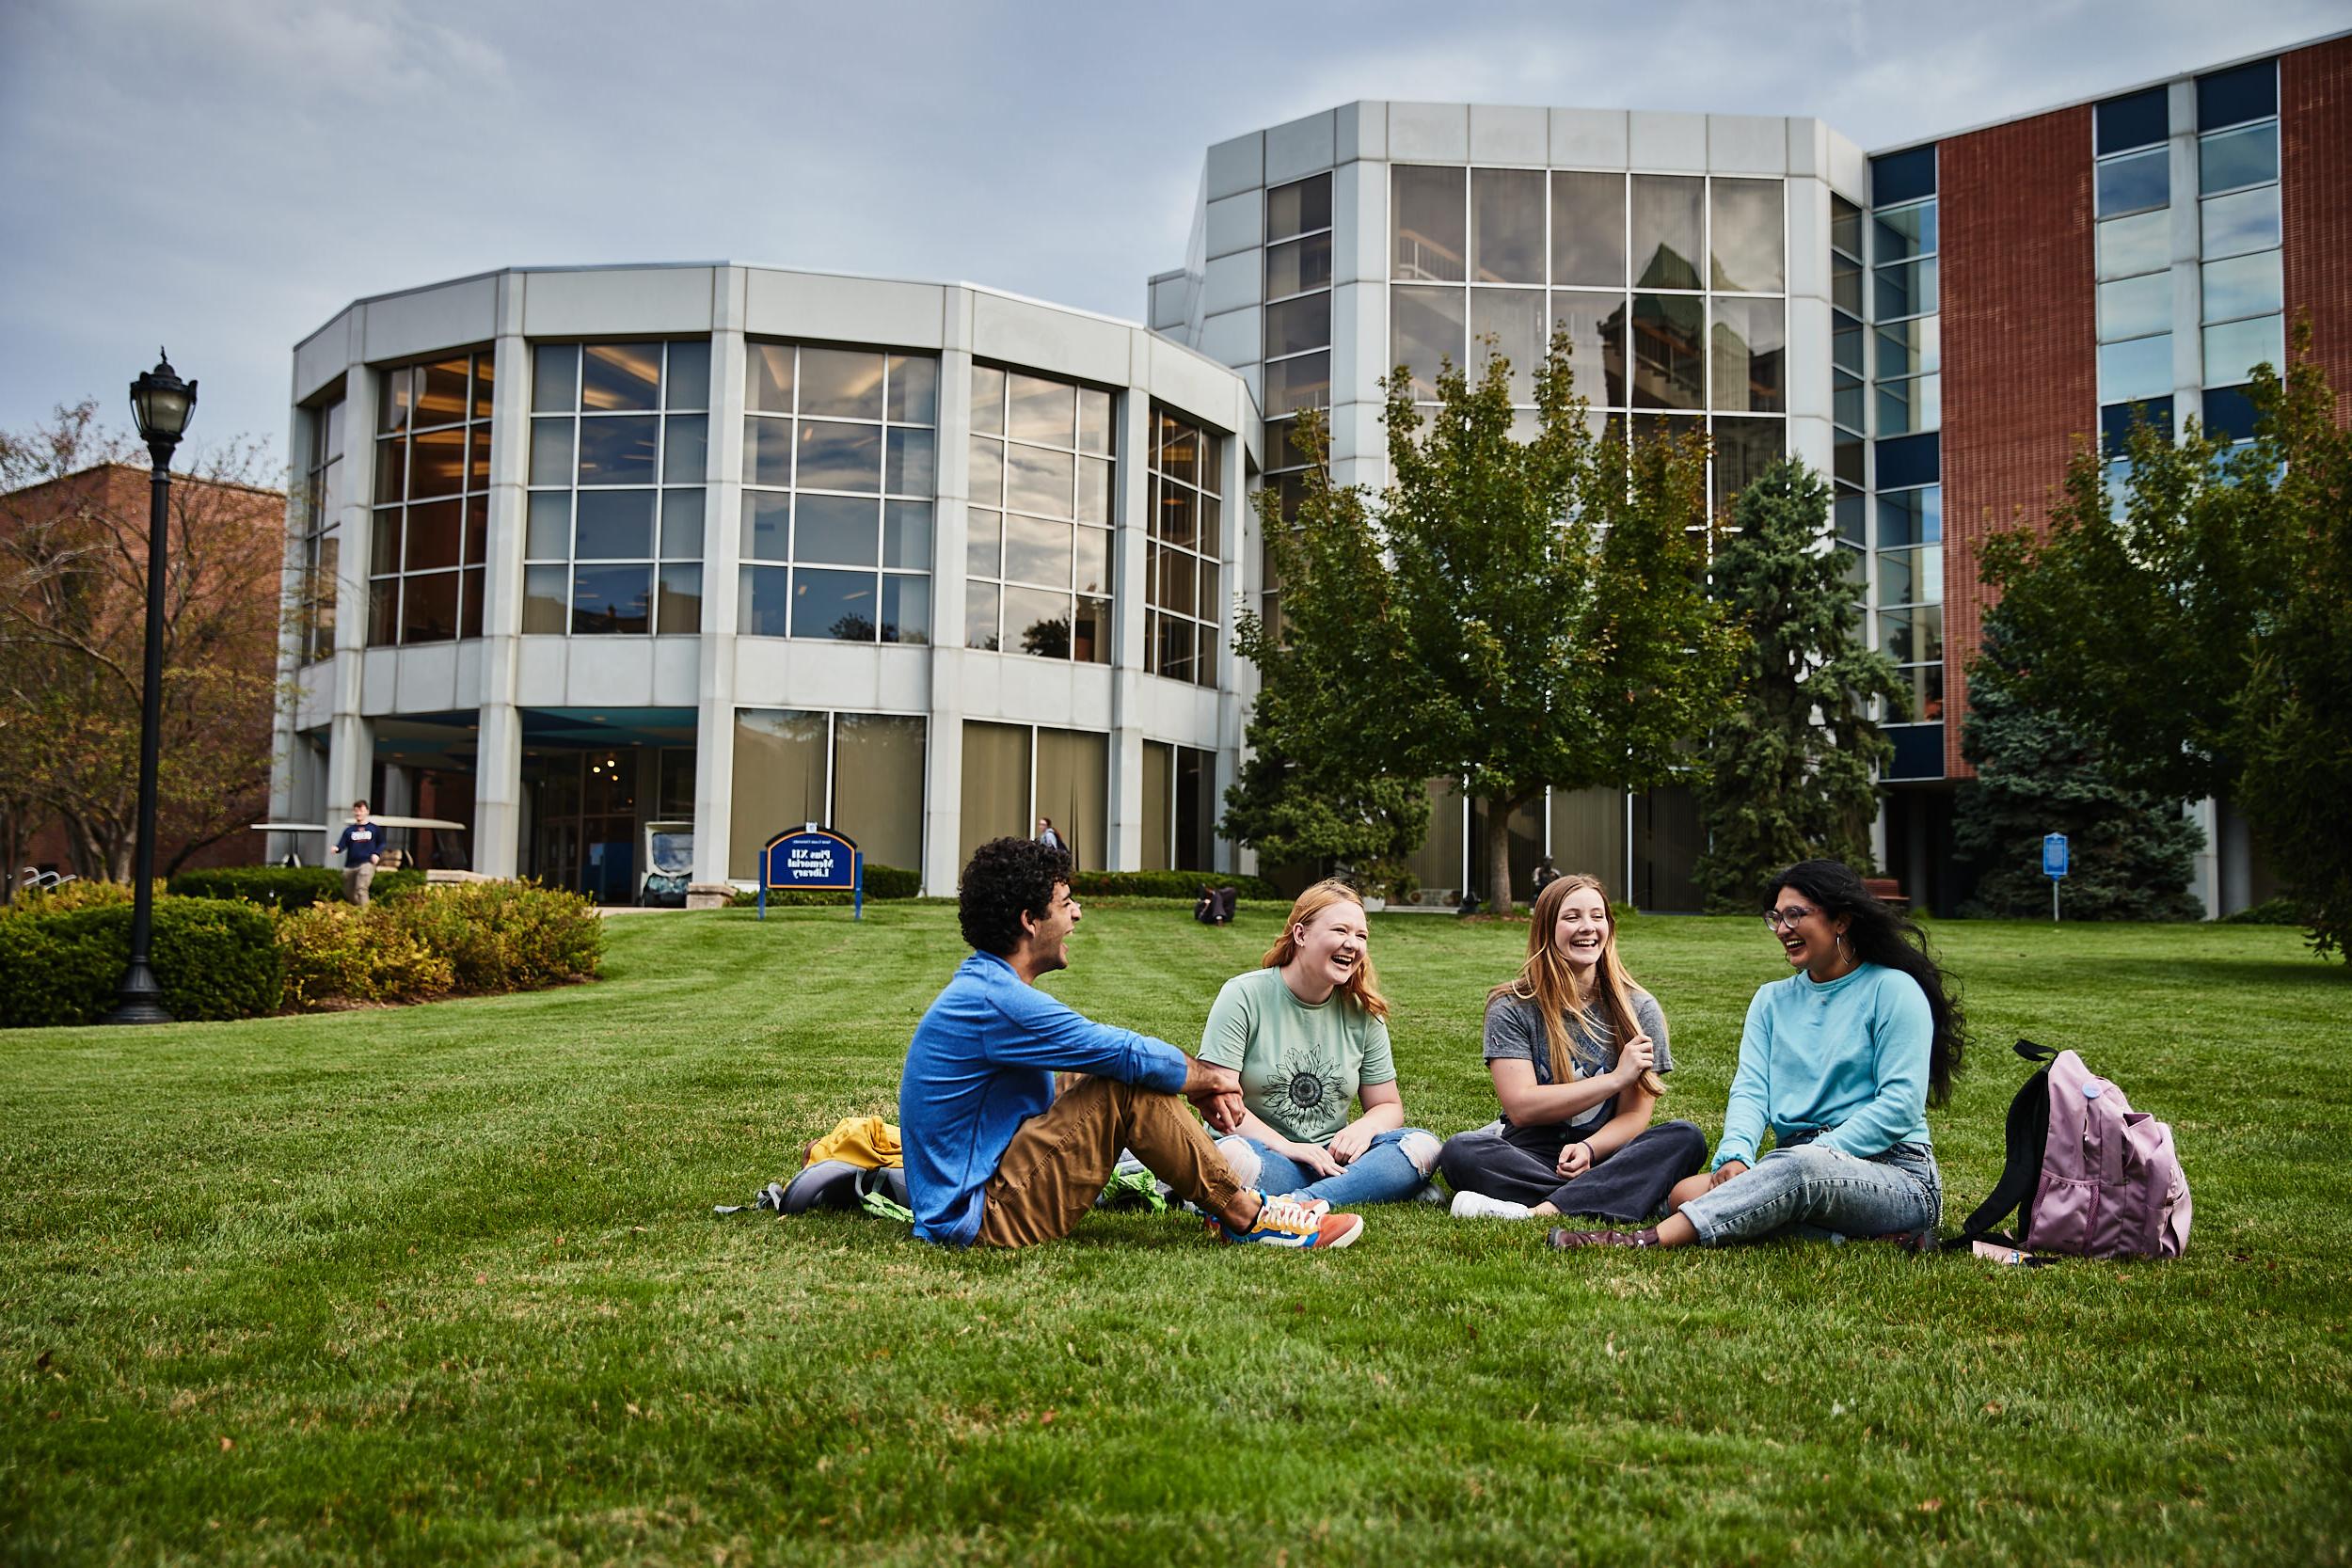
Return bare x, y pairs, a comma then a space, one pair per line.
1300, 1066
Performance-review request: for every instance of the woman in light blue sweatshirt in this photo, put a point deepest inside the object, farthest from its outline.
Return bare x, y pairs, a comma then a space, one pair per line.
1840, 1062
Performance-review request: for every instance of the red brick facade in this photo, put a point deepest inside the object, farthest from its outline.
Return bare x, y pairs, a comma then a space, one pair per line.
2021, 366
2315, 199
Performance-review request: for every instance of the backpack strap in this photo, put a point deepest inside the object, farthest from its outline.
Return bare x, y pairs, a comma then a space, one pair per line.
2028, 1133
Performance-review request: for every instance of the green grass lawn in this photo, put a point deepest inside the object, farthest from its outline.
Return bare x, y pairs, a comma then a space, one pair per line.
444, 1283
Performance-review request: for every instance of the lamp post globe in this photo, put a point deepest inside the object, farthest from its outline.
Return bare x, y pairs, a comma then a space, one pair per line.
162, 404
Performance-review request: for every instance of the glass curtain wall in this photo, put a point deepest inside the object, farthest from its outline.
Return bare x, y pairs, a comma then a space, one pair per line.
840, 458
1298, 346
1038, 531
1185, 593
430, 530
860, 774
620, 440
1906, 418
2239, 276
1849, 394
2132, 192
1179, 825
321, 532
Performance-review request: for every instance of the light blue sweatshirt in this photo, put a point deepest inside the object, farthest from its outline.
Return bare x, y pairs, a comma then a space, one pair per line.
982, 1063
1849, 1059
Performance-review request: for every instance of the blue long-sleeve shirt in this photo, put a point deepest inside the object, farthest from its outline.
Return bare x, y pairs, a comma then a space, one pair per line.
1848, 1059
982, 1062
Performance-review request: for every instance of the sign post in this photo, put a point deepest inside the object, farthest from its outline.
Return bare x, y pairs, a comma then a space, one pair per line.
2054, 867
813, 859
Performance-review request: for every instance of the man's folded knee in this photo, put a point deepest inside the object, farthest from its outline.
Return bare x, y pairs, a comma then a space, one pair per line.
1420, 1148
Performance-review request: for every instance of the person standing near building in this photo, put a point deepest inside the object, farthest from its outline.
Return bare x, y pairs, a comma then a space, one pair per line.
1047, 836
362, 845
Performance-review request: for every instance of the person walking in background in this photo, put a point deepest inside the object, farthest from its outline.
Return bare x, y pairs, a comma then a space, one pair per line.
362, 847
1047, 836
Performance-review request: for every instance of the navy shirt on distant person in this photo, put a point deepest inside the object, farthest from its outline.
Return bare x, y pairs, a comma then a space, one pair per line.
361, 842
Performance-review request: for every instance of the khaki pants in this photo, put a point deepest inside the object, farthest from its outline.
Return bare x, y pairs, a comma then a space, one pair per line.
355, 881
1062, 1158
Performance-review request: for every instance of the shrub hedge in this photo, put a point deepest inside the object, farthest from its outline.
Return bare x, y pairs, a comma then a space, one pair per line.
1166, 884
2274, 911
287, 887
213, 957
337, 953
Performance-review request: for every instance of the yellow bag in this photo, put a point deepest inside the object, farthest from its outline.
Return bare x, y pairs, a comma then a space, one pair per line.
867, 1141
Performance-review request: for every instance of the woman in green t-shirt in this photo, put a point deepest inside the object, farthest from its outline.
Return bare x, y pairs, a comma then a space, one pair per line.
1307, 1031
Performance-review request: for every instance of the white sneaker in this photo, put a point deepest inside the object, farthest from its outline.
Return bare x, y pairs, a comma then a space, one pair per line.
1478, 1205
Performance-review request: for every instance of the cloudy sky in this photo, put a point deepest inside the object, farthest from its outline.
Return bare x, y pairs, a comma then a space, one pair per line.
222, 178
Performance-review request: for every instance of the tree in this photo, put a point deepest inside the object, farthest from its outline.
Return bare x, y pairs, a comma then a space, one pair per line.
2191, 628
1791, 772
2131, 853
1516, 615
73, 538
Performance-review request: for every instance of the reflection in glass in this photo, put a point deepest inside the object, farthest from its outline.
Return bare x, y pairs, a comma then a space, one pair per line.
841, 382
1747, 253
1172, 640
614, 377
1667, 213
2232, 352
1176, 519
555, 377
839, 531
1298, 208
767, 451
1749, 339
906, 609
547, 526
2134, 245
1906, 406
686, 383
1507, 224
1845, 226
2139, 368
1425, 330
907, 535
1039, 480
618, 450
1296, 325
2135, 307
1043, 410
1094, 559
1090, 633
988, 399
1588, 229
986, 481
1038, 622
2228, 159
1900, 233
768, 377
839, 606
764, 607
2235, 225
767, 526
1909, 348
1178, 450
840, 456
1743, 450
437, 463
1910, 577
551, 452
1514, 319
2242, 286
1298, 265
1669, 354
678, 602
1845, 285
913, 390
1906, 290
984, 544
609, 599
1302, 382
682, 525
2137, 183
1037, 550
1094, 421
1429, 218
980, 601
441, 394
910, 470
1907, 517
1094, 489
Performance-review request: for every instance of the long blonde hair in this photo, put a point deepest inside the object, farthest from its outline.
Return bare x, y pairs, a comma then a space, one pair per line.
1362, 987
1547, 980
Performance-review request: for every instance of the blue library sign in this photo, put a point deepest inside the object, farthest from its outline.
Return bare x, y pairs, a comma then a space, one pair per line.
2053, 855
812, 860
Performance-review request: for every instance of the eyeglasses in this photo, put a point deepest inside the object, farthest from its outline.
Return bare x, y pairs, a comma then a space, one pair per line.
1778, 919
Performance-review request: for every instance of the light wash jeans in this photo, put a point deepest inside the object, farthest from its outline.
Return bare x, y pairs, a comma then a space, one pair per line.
1390, 1171
1810, 1189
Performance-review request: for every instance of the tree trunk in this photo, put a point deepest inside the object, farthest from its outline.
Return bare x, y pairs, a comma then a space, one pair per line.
1499, 854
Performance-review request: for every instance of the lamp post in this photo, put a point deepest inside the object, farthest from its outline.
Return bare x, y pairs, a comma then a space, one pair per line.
163, 403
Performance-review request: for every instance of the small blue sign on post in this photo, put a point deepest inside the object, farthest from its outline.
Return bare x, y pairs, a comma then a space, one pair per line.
813, 859
2053, 864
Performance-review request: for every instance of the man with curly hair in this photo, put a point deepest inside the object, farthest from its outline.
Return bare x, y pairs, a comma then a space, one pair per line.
995, 1154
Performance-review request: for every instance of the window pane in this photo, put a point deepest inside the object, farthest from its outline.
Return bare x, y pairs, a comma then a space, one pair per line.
1588, 229
2243, 286
1298, 208
767, 451
440, 394
839, 531
1094, 490
1429, 222
1094, 559
1746, 236
840, 605
1091, 636
618, 450
1845, 285
878, 785
988, 399
1296, 325
1039, 480
1908, 348
1907, 406
1171, 647
842, 382
678, 605
432, 535
1303, 382
1666, 221
437, 463
1844, 343
2235, 225
1298, 265
1751, 339
2135, 307
1043, 411
688, 378
384, 553
685, 450
907, 534
2137, 183
611, 599
1910, 577
767, 526
615, 525
1507, 224
779, 779
428, 608
1900, 233
1514, 319
1094, 421
1743, 450
620, 376
765, 607
1845, 404
1037, 622
2232, 352
470, 611
2228, 159
1669, 353
913, 390
980, 601
984, 544
682, 525
768, 377
1845, 226
1036, 550
986, 481
910, 470
2134, 245
1906, 289
2139, 368
1911, 517
1210, 539
547, 527
1426, 328
906, 611
1176, 573
1178, 518
840, 456
554, 378
478, 465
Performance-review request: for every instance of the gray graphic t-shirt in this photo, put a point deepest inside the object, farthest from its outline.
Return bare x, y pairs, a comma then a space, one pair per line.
1515, 1031
1300, 1065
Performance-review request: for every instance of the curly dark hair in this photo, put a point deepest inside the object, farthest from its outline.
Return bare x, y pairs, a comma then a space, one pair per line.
1879, 934
1006, 879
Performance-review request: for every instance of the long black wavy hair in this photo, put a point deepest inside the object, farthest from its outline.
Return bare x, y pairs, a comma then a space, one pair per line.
1877, 933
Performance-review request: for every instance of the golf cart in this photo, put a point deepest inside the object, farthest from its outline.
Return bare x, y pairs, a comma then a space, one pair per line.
669, 865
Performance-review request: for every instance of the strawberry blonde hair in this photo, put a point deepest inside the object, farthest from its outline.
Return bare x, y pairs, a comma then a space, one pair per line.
1362, 987
1547, 980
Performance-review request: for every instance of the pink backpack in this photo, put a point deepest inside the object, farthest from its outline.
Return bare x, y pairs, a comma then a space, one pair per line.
2086, 1174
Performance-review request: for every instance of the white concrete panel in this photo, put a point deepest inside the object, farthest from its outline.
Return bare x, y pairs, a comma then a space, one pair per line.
816, 306
1672, 142
1808, 237
603, 301
1808, 361
1361, 130
1235, 223
1812, 440
1233, 281
469, 665
1509, 134
903, 681
955, 314
1047, 691
1235, 338
541, 667
1429, 133
428, 679
1849, 168
981, 678
1205, 391
1809, 148
1360, 341
1253, 377
1359, 444
1235, 166
1359, 222
380, 681
676, 672
1746, 144
834, 674
610, 671
325, 354
1061, 343
1178, 711
1589, 138
1301, 147
450, 315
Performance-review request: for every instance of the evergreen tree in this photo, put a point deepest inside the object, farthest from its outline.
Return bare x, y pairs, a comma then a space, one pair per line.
1790, 772
2130, 854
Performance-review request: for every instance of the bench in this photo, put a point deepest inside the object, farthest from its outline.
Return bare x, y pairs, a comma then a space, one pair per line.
1886, 890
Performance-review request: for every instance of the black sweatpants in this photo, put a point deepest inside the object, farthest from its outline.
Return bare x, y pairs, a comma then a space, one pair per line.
1521, 1163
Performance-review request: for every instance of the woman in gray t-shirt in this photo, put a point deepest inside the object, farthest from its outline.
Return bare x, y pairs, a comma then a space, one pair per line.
1576, 1049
